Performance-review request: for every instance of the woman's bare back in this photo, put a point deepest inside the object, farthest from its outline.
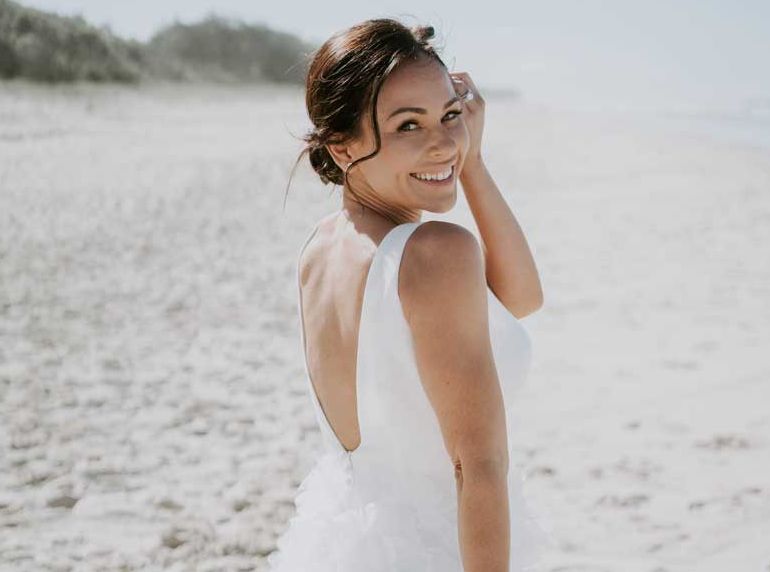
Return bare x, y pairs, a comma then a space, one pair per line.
333, 271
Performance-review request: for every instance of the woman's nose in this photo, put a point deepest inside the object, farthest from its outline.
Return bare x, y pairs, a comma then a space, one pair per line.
443, 143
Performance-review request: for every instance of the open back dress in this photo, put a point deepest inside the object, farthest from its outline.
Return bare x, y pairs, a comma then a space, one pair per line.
391, 504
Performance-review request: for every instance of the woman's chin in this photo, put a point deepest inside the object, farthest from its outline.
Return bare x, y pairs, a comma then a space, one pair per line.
446, 203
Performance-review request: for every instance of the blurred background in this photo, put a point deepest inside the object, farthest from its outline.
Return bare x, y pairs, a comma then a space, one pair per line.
153, 408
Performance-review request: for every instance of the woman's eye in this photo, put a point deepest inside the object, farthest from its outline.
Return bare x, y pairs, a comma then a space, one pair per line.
401, 127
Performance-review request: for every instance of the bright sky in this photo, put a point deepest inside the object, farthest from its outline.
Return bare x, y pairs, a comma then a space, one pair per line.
589, 54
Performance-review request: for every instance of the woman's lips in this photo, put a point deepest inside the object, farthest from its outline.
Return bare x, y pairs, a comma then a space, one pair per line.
449, 179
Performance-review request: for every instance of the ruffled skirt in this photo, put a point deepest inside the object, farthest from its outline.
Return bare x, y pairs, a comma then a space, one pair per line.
332, 530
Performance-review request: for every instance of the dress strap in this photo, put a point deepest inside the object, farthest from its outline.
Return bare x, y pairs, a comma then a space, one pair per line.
384, 273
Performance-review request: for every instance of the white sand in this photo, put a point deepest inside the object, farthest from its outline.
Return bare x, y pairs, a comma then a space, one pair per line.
153, 413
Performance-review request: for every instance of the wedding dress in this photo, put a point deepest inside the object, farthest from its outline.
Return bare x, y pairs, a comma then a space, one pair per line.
391, 504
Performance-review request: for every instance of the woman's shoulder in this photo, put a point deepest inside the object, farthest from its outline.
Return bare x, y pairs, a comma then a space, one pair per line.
441, 231
441, 263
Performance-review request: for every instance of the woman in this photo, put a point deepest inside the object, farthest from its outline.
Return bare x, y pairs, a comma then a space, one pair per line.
410, 357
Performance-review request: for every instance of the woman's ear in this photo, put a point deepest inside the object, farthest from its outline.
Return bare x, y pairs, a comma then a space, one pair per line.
341, 154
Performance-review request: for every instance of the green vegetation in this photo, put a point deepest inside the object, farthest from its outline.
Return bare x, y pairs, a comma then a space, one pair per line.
46, 47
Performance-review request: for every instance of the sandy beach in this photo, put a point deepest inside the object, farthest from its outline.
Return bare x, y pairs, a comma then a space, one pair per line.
153, 409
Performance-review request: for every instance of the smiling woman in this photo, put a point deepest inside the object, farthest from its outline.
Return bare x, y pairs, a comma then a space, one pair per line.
405, 347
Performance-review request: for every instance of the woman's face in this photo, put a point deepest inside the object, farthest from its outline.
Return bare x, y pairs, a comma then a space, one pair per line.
429, 137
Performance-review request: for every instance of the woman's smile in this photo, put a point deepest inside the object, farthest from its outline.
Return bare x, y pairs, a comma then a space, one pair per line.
448, 179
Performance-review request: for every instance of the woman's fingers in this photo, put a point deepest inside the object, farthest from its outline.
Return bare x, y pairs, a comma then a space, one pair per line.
465, 78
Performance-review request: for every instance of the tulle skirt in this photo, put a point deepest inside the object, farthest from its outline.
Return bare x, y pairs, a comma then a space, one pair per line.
332, 530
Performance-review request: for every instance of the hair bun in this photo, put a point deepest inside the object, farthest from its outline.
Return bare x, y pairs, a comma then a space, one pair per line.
423, 33
322, 162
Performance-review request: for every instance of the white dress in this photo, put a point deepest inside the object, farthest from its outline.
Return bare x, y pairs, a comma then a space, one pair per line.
391, 505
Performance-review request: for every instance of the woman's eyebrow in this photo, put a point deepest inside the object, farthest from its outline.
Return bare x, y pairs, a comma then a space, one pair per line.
421, 109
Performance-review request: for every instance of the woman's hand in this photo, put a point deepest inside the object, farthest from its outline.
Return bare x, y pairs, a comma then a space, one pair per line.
473, 115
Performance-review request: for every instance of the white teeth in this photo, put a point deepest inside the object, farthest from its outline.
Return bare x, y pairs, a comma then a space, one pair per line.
437, 177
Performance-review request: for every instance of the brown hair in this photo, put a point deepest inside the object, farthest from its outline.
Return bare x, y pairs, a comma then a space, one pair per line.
345, 75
